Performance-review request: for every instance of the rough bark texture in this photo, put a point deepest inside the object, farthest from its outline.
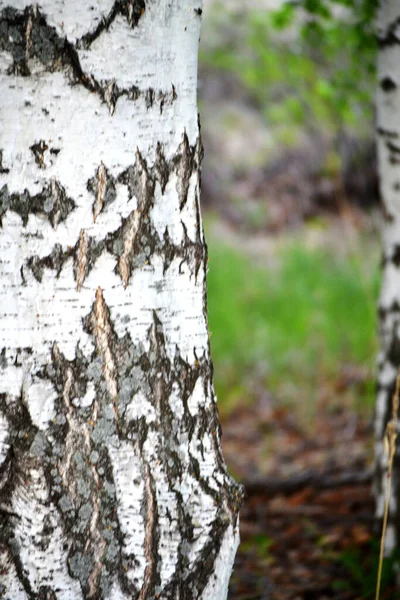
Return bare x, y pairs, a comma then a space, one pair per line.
388, 136
112, 483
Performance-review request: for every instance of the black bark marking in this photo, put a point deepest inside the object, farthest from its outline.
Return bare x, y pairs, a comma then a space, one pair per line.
3, 169
396, 258
137, 233
388, 133
54, 261
394, 152
111, 96
51, 203
163, 376
393, 147
187, 161
141, 240
132, 10
393, 354
161, 167
26, 34
388, 84
3, 359
46, 593
150, 97
390, 37
136, 240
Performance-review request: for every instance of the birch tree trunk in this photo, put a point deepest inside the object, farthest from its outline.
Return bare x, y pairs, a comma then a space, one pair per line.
112, 483
388, 136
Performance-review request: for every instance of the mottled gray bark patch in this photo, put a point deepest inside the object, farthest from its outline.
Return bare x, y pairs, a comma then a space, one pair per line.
51, 203
79, 473
54, 261
25, 34
74, 455
102, 186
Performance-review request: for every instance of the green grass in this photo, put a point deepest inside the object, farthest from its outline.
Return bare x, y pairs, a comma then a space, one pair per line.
291, 327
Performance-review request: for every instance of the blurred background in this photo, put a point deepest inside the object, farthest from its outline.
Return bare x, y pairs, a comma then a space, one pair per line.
292, 219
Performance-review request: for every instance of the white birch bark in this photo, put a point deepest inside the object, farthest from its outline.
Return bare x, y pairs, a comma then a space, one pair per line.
388, 137
112, 483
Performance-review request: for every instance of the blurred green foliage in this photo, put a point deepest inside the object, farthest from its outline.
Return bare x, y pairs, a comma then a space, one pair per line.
309, 63
292, 325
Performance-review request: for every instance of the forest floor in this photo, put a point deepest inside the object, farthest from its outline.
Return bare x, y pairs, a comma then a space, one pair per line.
307, 528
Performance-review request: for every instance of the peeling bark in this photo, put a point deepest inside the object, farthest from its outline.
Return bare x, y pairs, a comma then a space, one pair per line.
112, 482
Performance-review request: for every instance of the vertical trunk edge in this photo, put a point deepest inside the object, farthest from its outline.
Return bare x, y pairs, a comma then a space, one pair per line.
388, 136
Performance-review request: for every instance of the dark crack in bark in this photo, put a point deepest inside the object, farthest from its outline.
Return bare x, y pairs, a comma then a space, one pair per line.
151, 575
102, 186
188, 160
38, 151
